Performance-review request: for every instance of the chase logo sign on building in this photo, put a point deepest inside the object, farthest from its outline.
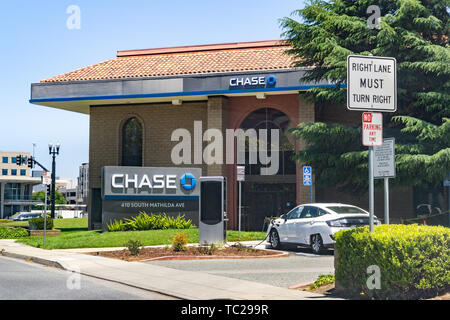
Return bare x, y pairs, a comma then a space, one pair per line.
253, 82
126, 191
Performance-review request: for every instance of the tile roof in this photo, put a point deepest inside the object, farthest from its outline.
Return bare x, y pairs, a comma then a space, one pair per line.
228, 57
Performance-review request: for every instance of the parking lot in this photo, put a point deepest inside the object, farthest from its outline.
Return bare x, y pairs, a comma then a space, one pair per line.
300, 267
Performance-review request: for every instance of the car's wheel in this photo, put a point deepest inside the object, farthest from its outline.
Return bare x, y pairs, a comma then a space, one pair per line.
275, 239
316, 244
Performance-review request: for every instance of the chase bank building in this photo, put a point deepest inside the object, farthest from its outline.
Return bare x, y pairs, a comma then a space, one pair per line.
143, 102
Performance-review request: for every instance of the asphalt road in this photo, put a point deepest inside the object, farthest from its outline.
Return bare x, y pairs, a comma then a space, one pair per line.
302, 266
32, 281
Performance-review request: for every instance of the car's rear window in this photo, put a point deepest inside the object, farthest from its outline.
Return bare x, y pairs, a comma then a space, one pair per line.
345, 209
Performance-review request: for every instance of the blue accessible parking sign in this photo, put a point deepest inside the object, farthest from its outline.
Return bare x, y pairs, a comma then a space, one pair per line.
307, 172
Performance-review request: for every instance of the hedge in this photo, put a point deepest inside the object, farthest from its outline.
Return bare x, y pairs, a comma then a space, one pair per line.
13, 233
38, 224
414, 261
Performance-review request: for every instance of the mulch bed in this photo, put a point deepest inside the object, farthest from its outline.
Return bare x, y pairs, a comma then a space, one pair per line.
149, 254
329, 290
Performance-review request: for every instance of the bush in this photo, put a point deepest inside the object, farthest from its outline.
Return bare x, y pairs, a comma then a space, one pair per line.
116, 226
414, 261
240, 247
147, 222
208, 249
144, 221
134, 246
323, 279
13, 233
179, 222
179, 242
38, 224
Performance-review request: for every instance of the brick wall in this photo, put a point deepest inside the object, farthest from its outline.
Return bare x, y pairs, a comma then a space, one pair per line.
159, 121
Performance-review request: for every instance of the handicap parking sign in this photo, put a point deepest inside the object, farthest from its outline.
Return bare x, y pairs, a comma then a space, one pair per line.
307, 179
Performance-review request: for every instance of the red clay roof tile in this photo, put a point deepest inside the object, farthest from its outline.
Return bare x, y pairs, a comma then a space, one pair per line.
229, 57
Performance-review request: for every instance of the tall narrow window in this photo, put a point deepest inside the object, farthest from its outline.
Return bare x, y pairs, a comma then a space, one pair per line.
132, 143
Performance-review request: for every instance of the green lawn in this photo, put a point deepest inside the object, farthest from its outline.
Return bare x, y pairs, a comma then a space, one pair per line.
75, 235
65, 225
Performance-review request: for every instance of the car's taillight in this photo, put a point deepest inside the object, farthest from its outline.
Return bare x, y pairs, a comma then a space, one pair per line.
337, 223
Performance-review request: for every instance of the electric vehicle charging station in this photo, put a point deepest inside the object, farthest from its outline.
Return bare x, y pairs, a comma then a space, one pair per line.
212, 210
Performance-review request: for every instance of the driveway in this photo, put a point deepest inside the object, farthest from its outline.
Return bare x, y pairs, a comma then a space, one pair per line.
300, 267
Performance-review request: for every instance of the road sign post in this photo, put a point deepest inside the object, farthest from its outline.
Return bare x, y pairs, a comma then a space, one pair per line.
46, 180
372, 86
384, 167
371, 190
372, 124
307, 180
240, 177
447, 184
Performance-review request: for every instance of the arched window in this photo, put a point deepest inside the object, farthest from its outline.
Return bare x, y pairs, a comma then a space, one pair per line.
132, 143
269, 118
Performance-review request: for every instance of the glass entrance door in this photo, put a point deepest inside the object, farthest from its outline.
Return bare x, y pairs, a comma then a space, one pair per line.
262, 200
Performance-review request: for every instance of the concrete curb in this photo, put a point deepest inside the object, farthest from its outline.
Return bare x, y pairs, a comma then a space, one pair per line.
296, 286
44, 262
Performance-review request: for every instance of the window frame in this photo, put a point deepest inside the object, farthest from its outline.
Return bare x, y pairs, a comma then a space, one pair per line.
307, 211
122, 158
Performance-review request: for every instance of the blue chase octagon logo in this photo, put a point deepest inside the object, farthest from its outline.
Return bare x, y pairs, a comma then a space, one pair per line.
188, 182
271, 80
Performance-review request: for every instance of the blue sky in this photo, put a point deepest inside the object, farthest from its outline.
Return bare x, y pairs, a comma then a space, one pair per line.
36, 44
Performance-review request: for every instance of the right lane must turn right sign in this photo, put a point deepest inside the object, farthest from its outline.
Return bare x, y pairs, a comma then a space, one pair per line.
371, 83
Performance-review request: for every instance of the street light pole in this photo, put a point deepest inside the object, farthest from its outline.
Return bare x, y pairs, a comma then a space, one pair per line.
53, 151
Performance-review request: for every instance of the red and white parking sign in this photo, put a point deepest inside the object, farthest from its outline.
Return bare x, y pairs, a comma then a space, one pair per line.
46, 177
372, 129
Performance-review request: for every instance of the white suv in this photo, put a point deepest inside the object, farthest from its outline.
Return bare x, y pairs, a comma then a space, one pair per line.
314, 225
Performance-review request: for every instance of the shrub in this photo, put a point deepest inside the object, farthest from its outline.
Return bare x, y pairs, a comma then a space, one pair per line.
179, 222
144, 221
134, 246
13, 233
207, 249
147, 222
116, 226
38, 224
179, 242
414, 261
323, 279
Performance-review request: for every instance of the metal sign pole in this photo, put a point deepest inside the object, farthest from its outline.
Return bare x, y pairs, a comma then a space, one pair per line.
310, 192
386, 200
240, 198
371, 189
45, 215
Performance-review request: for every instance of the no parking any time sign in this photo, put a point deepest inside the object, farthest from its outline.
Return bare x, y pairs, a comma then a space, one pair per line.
372, 129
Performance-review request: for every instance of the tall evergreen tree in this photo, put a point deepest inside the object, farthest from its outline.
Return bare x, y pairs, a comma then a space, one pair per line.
416, 33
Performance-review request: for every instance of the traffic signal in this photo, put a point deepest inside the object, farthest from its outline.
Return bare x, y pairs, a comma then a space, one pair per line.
18, 160
30, 162
48, 189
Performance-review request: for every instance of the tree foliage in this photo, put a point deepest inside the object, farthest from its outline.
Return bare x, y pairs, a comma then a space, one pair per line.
416, 33
40, 196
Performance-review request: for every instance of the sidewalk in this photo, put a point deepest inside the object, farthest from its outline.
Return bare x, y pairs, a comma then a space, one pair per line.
177, 283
